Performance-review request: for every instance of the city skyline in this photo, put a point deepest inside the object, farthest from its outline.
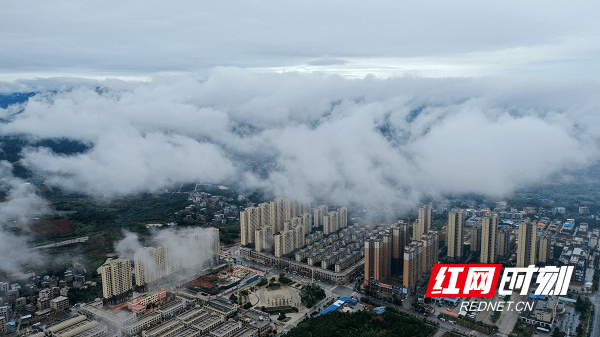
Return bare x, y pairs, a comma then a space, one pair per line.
240, 169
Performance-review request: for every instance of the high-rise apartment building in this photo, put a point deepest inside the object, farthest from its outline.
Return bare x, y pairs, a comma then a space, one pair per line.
264, 210
413, 264
368, 258
374, 259
456, 220
152, 264
320, 212
527, 243
277, 216
378, 256
423, 224
475, 237
343, 217
244, 228
503, 242
249, 223
386, 246
293, 208
383, 254
282, 225
331, 222
430, 249
399, 241
378, 264
489, 228
264, 239
545, 250
116, 279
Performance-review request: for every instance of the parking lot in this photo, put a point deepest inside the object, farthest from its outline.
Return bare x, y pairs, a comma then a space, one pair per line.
568, 321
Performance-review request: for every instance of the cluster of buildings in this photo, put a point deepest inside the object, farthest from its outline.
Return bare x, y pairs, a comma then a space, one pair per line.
181, 314
150, 266
535, 239
41, 299
285, 225
336, 257
494, 239
208, 208
475, 236
482, 234
337, 251
316, 243
392, 252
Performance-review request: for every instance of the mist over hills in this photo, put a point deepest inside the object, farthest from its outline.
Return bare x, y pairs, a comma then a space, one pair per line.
372, 142
378, 144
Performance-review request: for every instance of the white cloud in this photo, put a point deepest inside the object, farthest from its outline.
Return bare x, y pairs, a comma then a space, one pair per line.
127, 40
16, 211
373, 142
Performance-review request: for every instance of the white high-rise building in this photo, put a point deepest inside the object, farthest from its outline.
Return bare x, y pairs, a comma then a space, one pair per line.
423, 224
489, 230
527, 243
456, 220
116, 279
152, 264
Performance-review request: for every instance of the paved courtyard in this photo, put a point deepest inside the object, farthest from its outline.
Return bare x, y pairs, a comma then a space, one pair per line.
282, 296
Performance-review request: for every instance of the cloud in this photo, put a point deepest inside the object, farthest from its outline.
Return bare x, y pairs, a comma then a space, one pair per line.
17, 208
384, 143
15, 253
124, 39
190, 250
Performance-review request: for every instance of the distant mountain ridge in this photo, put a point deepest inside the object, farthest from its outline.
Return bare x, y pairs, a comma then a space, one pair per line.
8, 99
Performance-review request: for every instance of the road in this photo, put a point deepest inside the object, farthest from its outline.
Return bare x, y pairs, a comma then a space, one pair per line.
596, 321
333, 291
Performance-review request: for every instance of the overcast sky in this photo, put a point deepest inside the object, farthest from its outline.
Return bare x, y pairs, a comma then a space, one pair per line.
352, 38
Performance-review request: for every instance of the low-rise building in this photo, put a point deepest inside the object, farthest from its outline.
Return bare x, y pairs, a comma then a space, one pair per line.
191, 317
20, 303
189, 332
221, 308
76, 326
167, 329
142, 323
227, 329
543, 313
256, 320
60, 303
171, 309
209, 322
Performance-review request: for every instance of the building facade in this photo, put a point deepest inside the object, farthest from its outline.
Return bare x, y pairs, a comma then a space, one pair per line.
489, 228
454, 233
116, 280
527, 243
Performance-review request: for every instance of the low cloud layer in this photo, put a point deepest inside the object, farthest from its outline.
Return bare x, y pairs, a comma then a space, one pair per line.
373, 142
17, 208
189, 251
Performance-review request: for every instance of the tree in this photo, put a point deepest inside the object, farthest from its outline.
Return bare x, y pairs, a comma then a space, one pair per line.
311, 295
